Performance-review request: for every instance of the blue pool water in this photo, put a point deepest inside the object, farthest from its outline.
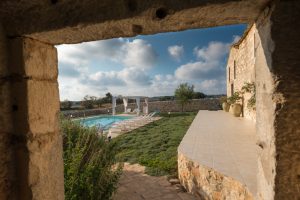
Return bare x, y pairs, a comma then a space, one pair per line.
103, 121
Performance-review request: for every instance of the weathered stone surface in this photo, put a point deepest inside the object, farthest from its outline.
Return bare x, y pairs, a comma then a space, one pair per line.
265, 109
69, 21
37, 141
208, 183
174, 181
36, 60
277, 81
6, 156
284, 29
43, 109
134, 184
45, 166
242, 58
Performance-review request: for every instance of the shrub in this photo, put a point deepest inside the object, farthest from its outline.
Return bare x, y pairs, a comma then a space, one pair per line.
222, 99
250, 88
90, 168
234, 98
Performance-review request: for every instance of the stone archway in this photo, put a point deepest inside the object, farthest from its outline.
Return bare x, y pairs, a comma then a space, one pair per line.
31, 165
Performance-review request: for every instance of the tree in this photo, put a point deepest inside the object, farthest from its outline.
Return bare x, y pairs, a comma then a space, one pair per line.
107, 98
99, 102
199, 95
88, 101
184, 93
66, 104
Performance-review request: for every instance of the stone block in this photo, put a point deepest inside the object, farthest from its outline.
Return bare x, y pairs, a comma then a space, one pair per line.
5, 107
35, 106
3, 53
35, 113
33, 59
45, 166
43, 106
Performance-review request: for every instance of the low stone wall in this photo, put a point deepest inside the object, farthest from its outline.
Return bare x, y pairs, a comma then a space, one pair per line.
84, 113
194, 105
209, 184
161, 106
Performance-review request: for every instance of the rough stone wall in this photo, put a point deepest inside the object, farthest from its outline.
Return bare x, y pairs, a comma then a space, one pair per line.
36, 139
207, 183
194, 105
265, 107
6, 154
69, 21
242, 54
161, 106
278, 113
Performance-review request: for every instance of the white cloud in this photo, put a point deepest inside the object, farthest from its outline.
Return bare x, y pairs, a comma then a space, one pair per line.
103, 79
135, 54
127, 77
137, 57
78, 54
176, 52
139, 54
134, 77
198, 70
210, 62
213, 52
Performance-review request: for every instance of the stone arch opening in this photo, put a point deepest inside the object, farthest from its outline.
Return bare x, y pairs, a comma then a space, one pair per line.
277, 81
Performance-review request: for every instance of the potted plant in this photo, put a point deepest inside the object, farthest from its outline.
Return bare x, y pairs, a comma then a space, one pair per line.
250, 88
224, 103
235, 107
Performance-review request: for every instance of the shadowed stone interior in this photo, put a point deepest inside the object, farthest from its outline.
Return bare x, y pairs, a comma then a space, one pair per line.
69, 21
29, 102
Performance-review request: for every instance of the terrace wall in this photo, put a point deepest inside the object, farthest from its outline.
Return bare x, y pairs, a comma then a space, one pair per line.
207, 183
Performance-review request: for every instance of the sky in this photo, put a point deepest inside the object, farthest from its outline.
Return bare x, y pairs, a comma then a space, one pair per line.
147, 65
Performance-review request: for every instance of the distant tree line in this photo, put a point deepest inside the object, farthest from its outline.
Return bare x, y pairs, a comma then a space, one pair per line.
184, 93
90, 102
195, 95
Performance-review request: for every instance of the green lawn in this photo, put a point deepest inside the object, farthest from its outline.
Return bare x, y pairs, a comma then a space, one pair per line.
155, 145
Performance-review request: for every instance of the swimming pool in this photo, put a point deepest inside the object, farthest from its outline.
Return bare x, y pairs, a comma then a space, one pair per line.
103, 121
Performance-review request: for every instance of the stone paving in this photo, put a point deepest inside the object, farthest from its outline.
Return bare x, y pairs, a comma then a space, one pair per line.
224, 143
136, 185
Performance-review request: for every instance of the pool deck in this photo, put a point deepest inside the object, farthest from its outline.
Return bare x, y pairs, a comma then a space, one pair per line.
224, 143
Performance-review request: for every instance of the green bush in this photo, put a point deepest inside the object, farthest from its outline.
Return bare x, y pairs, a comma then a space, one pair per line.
90, 168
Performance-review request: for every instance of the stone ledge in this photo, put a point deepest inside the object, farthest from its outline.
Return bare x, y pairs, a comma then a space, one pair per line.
208, 183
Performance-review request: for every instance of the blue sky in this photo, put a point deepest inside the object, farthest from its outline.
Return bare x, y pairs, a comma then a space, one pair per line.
148, 65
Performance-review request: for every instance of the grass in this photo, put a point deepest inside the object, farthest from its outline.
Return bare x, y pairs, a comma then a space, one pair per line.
155, 145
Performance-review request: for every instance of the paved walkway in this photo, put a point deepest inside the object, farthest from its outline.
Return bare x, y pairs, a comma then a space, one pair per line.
225, 143
136, 185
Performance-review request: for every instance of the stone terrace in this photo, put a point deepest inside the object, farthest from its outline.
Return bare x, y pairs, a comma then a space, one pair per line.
218, 156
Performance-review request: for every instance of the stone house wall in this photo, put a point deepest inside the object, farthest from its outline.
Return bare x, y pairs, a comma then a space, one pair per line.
241, 69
